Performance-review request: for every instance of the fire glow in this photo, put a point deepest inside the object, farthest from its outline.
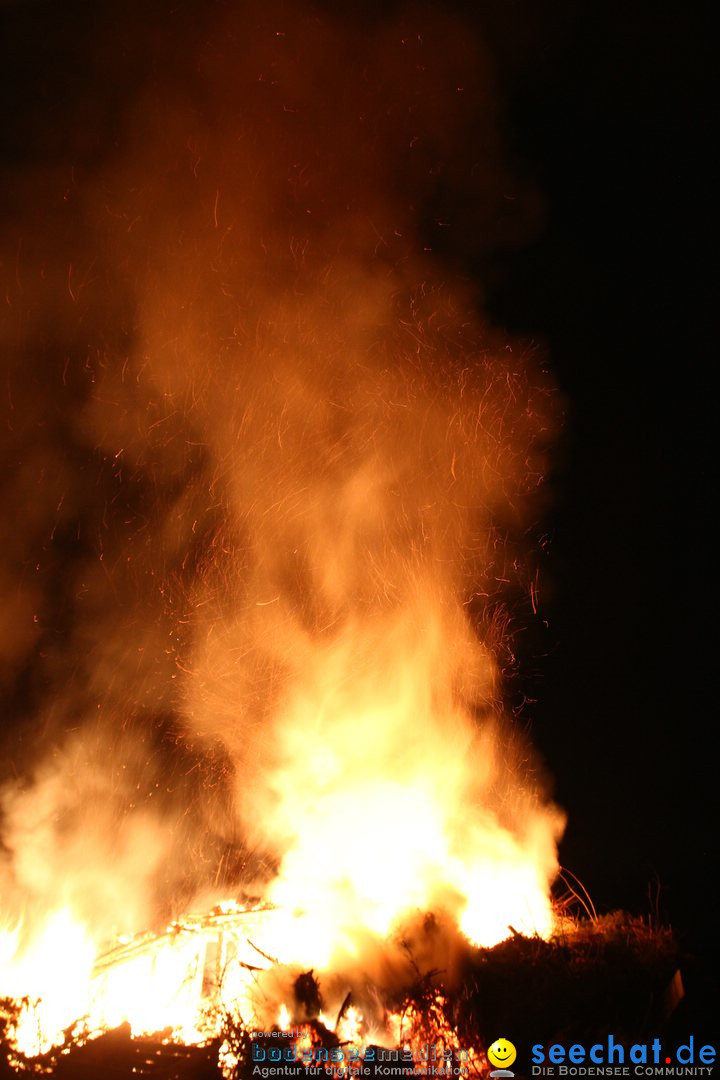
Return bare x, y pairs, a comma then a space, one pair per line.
344, 458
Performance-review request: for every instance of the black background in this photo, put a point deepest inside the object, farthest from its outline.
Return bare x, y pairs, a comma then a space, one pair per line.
612, 118
611, 114
606, 110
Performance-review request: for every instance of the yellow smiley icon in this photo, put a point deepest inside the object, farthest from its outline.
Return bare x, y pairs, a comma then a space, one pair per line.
502, 1053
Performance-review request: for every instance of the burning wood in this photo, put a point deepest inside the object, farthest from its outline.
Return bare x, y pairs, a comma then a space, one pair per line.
177, 981
608, 973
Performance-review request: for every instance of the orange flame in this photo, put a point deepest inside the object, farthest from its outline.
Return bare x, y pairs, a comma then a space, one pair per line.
345, 459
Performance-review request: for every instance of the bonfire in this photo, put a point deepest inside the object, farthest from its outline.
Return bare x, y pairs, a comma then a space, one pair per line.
279, 813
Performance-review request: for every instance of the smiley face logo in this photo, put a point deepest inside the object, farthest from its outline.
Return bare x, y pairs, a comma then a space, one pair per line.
502, 1053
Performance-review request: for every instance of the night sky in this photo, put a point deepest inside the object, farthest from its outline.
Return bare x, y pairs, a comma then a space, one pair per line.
610, 114
604, 109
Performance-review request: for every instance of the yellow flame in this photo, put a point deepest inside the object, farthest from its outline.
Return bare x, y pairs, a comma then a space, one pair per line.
383, 798
387, 799
154, 984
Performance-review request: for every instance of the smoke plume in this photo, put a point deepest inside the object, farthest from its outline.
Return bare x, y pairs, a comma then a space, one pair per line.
269, 475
